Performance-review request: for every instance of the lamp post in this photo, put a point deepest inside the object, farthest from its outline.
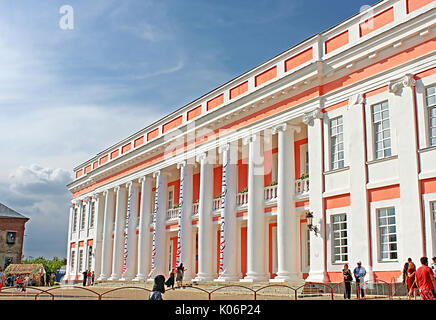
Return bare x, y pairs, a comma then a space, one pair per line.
310, 226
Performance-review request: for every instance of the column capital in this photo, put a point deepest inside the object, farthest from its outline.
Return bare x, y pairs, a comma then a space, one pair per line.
285, 126
251, 138
309, 116
97, 195
397, 84
117, 188
143, 179
224, 147
156, 173
356, 98
202, 156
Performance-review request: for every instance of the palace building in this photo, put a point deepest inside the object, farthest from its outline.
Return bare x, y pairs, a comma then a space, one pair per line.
323, 155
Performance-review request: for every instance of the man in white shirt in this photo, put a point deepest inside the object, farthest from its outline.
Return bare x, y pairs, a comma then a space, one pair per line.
359, 274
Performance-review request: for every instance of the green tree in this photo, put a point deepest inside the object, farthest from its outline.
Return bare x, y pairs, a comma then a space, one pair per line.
50, 266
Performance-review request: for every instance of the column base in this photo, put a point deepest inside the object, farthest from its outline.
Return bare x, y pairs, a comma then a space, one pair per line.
228, 277
113, 277
204, 277
126, 278
140, 277
319, 276
188, 276
285, 276
102, 277
254, 277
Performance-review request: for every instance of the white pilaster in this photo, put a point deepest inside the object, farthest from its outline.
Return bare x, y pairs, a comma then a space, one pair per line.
106, 251
256, 262
70, 227
205, 234
159, 236
98, 238
229, 227
185, 250
287, 237
130, 242
144, 238
120, 220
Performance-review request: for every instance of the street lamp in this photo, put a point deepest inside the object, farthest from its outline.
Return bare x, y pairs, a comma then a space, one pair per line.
310, 226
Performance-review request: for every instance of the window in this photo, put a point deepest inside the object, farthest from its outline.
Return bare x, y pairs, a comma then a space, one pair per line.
387, 233
80, 260
73, 259
82, 221
90, 258
10, 238
92, 215
382, 132
170, 199
340, 241
433, 210
430, 99
75, 220
336, 143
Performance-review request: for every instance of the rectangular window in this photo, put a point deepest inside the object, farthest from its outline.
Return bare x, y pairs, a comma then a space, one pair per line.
433, 211
90, 258
382, 132
80, 260
430, 99
336, 143
75, 220
340, 238
388, 233
73, 259
92, 215
170, 199
82, 222
10, 238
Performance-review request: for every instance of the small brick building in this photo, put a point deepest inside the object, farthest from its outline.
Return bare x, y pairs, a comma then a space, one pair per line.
12, 225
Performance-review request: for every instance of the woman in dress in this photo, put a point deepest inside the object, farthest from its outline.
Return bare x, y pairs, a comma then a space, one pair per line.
348, 277
170, 281
411, 283
179, 275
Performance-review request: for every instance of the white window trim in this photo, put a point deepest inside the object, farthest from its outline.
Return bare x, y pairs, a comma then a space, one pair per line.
430, 233
338, 266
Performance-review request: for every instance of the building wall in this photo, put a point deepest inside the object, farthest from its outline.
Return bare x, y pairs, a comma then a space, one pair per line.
14, 250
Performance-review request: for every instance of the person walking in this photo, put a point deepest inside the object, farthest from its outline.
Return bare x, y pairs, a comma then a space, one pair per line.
425, 280
411, 284
88, 277
348, 277
359, 275
85, 275
158, 288
92, 278
2, 279
170, 281
179, 275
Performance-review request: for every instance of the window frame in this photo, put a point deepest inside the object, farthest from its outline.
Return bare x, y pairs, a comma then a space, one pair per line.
334, 165
380, 243
333, 231
375, 132
428, 112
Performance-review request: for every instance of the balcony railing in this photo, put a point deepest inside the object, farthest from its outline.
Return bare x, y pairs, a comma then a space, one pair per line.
172, 213
242, 199
270, 193
302, 186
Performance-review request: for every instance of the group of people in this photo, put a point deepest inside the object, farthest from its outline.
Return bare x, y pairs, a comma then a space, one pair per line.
422, 279
88, 278
48, 280
159, 282
12, 280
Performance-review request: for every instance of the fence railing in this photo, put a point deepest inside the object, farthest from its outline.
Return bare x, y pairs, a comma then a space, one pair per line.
327, 291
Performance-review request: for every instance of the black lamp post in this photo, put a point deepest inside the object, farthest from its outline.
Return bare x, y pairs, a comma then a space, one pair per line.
310, 226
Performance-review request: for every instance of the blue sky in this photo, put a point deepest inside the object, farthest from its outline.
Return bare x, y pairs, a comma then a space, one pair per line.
66, 95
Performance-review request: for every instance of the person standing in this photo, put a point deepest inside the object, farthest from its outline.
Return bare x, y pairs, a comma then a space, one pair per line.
85, 275
170, 281
359, 274
348, 277
411, 284
88, 277
158, 288
179, 275
425, 280
92, 278
2, 279
433, 267
406, 266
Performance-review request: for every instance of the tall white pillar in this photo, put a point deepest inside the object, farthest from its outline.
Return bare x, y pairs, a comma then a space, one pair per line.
98, 218
144, 254
228, 241
185, 250
314, 120
120, 220
130, 241
256, 262
70, 227
287, 237
159, 232
106, 249
205, 227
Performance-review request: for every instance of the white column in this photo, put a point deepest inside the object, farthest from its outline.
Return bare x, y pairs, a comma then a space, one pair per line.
159, 232
120, 220
70, 227
144, 254
313, 119
185, 250
130, 242
287, 237
106, 250
256, 261
205, 227
229, 230
98, 238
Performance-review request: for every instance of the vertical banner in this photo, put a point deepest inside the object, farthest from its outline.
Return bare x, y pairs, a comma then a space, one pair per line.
126, 229
181, 212
156, 210
223, 204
